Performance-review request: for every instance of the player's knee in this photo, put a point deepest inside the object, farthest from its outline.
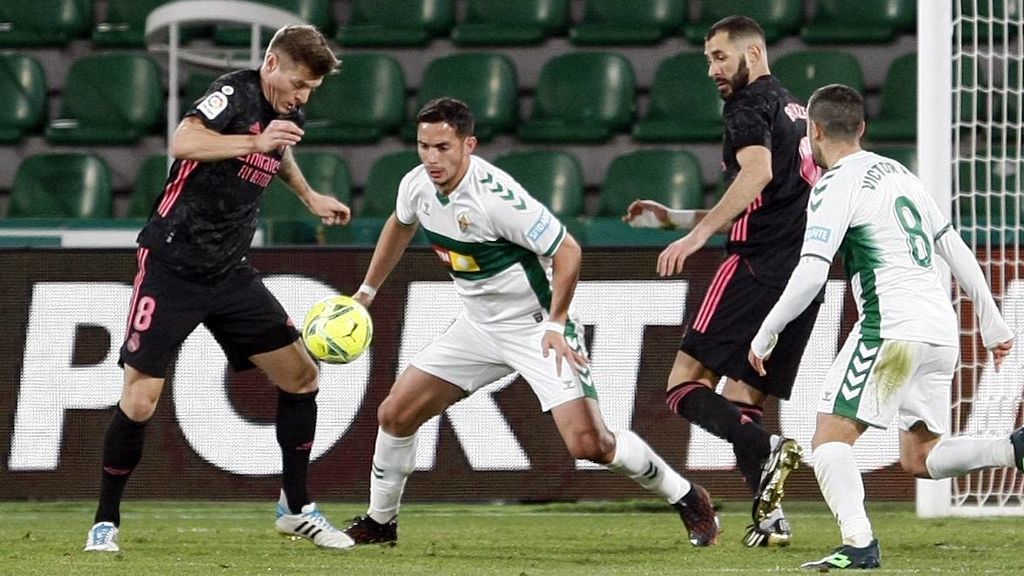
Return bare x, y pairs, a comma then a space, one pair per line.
306, 377
915, 465
594, 445
394, 420
138, 407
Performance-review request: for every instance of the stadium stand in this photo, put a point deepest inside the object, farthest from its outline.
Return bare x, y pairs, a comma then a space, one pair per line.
581, 97
552, 177
360, 105
778, 18
149, 184
502, 23
639, 22
22, 97
125, 23
62, 185
683, 107
804, 72
287, 219
315, 12
897, 117
112, 98
864, 21
396, 22
30, 23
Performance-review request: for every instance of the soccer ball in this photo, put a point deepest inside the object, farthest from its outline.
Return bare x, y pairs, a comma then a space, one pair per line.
337, 330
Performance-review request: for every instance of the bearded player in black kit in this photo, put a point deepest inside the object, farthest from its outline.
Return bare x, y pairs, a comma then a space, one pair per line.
193, 268
769, 171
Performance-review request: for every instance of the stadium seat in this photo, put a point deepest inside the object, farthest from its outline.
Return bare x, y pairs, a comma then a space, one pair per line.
610, 22
685, 105
778, 18
381, 187
486, 82
288, 220
671, 177
396, 22
22, 97
61, 185
897, 116
554, 178
504, 23
34, 23
109, 99
861, 22
125, 24
360, 104
150, 180
581, 97
905, 155
804, 72
197, 85
315, 12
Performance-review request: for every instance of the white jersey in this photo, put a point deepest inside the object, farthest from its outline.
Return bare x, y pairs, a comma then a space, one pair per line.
880, 218
494, 238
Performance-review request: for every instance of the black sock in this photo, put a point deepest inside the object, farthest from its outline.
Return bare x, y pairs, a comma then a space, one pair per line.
747, 461
703, 407
122, 450
296, 426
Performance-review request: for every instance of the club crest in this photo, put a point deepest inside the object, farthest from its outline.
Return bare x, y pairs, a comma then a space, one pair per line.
464, 222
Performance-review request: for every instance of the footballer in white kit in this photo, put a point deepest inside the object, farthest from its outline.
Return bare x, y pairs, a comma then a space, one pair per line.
497, 242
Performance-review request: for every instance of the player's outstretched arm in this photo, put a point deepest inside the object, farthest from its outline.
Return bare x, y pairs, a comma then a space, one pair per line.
995, 334
651, 214
192, 140
394, 239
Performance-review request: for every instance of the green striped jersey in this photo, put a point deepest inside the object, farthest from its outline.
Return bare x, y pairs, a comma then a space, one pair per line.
494, 238
878, 216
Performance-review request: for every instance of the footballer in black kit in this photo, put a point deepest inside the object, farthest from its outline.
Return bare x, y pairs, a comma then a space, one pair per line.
193, 269
769, 172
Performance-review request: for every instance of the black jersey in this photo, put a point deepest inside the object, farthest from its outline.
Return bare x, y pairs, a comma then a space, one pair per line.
769, 233
203, 224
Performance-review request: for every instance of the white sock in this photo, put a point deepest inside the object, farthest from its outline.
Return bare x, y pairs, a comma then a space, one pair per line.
843, 489
394, 459
952, 457
635, 460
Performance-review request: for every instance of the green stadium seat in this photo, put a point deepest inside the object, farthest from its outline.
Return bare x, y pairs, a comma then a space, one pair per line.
553, 177
861, 22
991, 183
315, 12
778, 18
22, 97
396, 22
685, 105
381, 188
288, 220
982, 19
125, 24
504, 23
671, 177
34, 23
360, 104
61, 185
581, 97
149, 184
905, 155
611, 22
113, 98
486, 82
897, 116
197, 85
804, 72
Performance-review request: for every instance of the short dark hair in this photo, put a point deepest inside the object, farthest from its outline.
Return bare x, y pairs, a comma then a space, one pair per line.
736, 27
305, 45
453, 112
838, 109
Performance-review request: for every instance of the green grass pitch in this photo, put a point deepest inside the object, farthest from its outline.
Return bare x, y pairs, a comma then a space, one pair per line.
586, 539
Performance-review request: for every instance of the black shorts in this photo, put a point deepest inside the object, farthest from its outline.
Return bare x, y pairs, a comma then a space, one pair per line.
719, 334
240, 312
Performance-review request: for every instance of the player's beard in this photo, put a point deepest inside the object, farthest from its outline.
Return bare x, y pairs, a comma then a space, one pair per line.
739, 79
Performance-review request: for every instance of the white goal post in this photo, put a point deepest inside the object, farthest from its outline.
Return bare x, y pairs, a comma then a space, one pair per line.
969, 153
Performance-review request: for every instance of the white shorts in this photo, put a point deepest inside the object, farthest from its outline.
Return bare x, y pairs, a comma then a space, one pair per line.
472, 356
872, 379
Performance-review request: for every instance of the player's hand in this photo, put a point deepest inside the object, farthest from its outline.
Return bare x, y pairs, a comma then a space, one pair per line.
555, 341
279, 135
1000, 352
647, 214
757, 362
672, 258
330, 210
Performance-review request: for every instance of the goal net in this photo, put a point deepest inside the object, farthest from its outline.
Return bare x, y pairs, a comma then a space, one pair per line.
986, 154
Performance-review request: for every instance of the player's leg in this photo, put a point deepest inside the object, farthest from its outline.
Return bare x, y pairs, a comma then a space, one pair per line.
440, 375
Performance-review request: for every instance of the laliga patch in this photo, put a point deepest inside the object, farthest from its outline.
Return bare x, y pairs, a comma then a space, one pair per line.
213, 105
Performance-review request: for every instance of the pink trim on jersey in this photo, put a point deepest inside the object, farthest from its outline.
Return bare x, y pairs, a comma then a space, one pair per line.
714, 295
173, 190
739, 227
140, 256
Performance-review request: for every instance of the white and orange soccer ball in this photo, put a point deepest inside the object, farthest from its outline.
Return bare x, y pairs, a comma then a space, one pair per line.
337, 330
